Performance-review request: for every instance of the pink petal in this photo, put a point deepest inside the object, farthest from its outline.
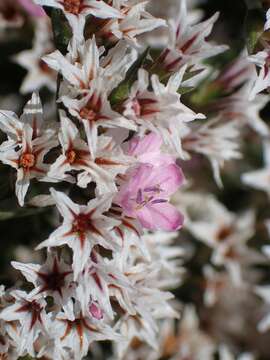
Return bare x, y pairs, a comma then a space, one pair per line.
147, 150
163, 216
31, 8
149, 143
137, 179
169, 178
95, 311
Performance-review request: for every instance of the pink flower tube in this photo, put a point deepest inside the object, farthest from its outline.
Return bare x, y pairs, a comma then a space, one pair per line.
31, 8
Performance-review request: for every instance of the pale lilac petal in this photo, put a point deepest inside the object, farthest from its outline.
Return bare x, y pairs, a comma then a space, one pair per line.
163, 216
169, 178
31, 8
149, 143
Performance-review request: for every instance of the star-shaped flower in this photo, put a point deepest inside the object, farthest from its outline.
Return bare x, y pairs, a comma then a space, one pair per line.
259, 179
28, 161
54, 278
82, 8
102, 168
188, 42
83, 227
32, 316
160, 111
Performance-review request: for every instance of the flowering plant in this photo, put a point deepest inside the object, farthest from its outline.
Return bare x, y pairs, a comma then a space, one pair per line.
134, 108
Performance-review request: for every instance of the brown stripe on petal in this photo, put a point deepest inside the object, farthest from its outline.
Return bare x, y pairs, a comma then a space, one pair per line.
67, 331
108, 162
130, 226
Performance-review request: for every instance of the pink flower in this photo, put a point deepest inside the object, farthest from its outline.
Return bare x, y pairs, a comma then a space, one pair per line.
145, 196
31, 8
148, 150
96, 311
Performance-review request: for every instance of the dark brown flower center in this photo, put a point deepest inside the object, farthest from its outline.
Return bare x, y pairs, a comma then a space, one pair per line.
88, 114
82, 223
35, 309
72, 6
27, 160
71, 156
224, 233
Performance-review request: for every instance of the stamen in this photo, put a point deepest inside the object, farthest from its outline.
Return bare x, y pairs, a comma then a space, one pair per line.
27, 160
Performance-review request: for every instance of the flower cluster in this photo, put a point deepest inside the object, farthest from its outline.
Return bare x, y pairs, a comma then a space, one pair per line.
109, 166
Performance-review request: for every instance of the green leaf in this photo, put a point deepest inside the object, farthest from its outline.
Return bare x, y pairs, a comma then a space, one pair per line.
185, 89
206, 93
121, 92
254, 28
61, 30
10, 210
189, 74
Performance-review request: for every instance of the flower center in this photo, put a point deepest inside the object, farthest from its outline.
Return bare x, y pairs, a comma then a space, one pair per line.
71, 156
266, 66
88, 114
56, 281
148, 195
35, 309
27, 160
144, 107
136, 107
9, 12
96, 311
84, 224
44, 67
81, 223
72, 6
224, 233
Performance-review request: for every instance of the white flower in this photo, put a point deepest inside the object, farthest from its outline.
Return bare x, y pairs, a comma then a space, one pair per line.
82, 65
264, 292
217, 139
93, 111
39, 74
149, 303
225, 232
28, 161
216, 282
103, 168
259, 179
188, 43
32, 317
267, 24
192, 341
54, 278
81, 8
135, 20
13, 126
52, 348
243, 111
226, 354
10, 15
162, 249
128, 230
78, 334
160, 111
262, 82
101, 280
83, 227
